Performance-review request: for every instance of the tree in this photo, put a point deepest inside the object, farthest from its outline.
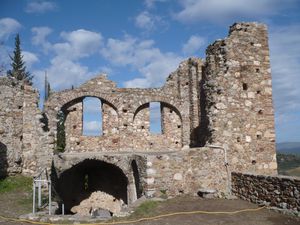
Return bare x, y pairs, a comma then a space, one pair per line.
61, 134
18, 65
47, 88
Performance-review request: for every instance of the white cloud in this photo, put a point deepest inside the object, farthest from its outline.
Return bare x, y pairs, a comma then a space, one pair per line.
142, 56
218, 11
194, 43
63, 73
40, 37
65, 69
79, 43
8, 26
29, 58
147, 21
91, 127
38, 6
151, 3
92, 105
285, 58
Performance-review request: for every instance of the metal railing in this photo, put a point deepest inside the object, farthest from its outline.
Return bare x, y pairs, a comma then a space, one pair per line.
42, 180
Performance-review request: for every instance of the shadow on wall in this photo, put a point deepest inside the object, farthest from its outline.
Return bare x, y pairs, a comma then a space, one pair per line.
202, 134
3, 160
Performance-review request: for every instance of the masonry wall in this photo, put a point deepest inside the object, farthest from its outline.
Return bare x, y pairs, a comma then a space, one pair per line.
25, 146
276, 191
225, 101
237, 86
11, 126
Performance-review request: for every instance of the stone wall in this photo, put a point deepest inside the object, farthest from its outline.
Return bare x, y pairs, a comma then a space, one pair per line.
238, 90
11, 126
276, 191
126, 115
225, 101
25, 145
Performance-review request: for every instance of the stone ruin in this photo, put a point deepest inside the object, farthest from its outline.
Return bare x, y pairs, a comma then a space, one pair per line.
216, 117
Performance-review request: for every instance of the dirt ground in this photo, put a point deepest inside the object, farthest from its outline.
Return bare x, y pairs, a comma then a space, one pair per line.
261, 217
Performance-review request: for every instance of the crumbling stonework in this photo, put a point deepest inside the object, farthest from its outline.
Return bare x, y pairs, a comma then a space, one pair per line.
216, 117
25, 146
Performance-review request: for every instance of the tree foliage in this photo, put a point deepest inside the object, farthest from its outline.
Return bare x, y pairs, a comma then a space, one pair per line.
18, 70
61, 135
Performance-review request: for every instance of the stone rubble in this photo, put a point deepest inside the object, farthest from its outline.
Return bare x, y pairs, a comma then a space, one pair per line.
98, 200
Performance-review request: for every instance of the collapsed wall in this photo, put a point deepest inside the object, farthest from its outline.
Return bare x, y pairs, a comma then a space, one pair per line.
216, 117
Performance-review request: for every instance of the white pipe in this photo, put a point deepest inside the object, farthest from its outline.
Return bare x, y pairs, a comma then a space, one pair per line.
225, 164
50, 203
33, 199
39, 195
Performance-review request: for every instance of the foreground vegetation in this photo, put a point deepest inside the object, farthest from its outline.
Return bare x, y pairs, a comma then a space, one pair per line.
15, 195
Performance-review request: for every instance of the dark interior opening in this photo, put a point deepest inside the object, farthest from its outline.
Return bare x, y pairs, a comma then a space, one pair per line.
137, 181
77, 183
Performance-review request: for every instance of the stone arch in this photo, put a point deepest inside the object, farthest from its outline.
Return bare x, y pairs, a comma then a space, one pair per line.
78, 182
79, 98
163, 104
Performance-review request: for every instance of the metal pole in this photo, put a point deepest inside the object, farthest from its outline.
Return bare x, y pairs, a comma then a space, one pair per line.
50, 203
63, 209
33, 200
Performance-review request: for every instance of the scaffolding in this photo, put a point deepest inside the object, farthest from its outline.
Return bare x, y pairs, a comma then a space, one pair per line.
41, 181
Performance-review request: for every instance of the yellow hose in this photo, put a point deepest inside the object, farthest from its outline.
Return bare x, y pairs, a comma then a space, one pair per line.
143, 219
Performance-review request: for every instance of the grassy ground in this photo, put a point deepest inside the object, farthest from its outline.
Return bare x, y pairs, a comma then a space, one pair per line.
15, 195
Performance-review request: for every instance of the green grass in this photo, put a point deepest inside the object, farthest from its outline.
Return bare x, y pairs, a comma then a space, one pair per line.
147, 208
15, 195
15, 183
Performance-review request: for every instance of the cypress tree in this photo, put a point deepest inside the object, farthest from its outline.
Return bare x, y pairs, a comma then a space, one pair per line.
18, 65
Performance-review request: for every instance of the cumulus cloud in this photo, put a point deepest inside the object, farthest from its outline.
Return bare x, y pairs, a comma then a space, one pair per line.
29, 58
142, 56
215, 10
194, 43
285, 58
147, 21
65, 69
38, 6
39, 38
79, 43
8, 26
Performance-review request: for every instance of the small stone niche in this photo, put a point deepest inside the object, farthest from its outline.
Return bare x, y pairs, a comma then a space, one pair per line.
245, 86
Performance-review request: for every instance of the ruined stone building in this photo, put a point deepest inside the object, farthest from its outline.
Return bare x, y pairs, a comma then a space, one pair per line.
216, 117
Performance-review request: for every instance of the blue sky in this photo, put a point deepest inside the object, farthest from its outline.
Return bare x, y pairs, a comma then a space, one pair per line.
138, 43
